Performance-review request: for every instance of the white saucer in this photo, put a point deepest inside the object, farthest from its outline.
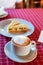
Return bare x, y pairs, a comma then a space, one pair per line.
4, 14
10, 54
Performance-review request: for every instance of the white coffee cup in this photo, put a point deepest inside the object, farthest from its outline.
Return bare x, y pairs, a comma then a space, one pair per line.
1, 10
21, 50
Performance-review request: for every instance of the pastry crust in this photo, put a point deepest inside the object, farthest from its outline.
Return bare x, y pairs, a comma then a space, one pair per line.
16, 27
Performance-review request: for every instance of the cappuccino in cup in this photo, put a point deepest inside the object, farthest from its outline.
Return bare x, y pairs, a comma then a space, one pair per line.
21, 45
20, 40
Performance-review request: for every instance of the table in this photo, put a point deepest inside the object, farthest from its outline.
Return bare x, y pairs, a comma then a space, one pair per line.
35, 16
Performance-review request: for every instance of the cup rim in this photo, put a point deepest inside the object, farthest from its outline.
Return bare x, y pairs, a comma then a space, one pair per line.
14, 43
19, 45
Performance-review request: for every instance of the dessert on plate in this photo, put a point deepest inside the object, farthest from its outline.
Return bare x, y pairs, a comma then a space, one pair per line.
17, 27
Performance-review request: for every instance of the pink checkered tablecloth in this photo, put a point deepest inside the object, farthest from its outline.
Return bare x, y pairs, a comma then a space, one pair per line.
35, 16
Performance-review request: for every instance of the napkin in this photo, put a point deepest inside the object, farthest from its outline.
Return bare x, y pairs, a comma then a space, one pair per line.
41, 37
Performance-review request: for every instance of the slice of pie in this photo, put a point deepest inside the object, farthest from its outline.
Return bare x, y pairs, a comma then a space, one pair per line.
17, 27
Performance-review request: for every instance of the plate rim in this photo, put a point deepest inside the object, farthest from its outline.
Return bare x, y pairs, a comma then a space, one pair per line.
15, 60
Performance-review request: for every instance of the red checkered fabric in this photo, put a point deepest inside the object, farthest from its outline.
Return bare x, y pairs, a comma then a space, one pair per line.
35, 16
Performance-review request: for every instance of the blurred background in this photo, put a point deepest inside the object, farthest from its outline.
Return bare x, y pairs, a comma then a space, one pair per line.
21, 3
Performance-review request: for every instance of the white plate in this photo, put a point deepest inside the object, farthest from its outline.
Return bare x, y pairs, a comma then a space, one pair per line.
10, 54
4, 14
4, 25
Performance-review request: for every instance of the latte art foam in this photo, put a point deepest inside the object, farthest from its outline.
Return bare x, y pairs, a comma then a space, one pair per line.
21, 40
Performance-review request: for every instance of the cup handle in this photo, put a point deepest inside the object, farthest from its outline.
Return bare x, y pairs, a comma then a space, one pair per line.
33, 46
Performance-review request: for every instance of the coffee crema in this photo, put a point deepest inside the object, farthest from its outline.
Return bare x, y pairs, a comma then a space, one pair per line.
21, 40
